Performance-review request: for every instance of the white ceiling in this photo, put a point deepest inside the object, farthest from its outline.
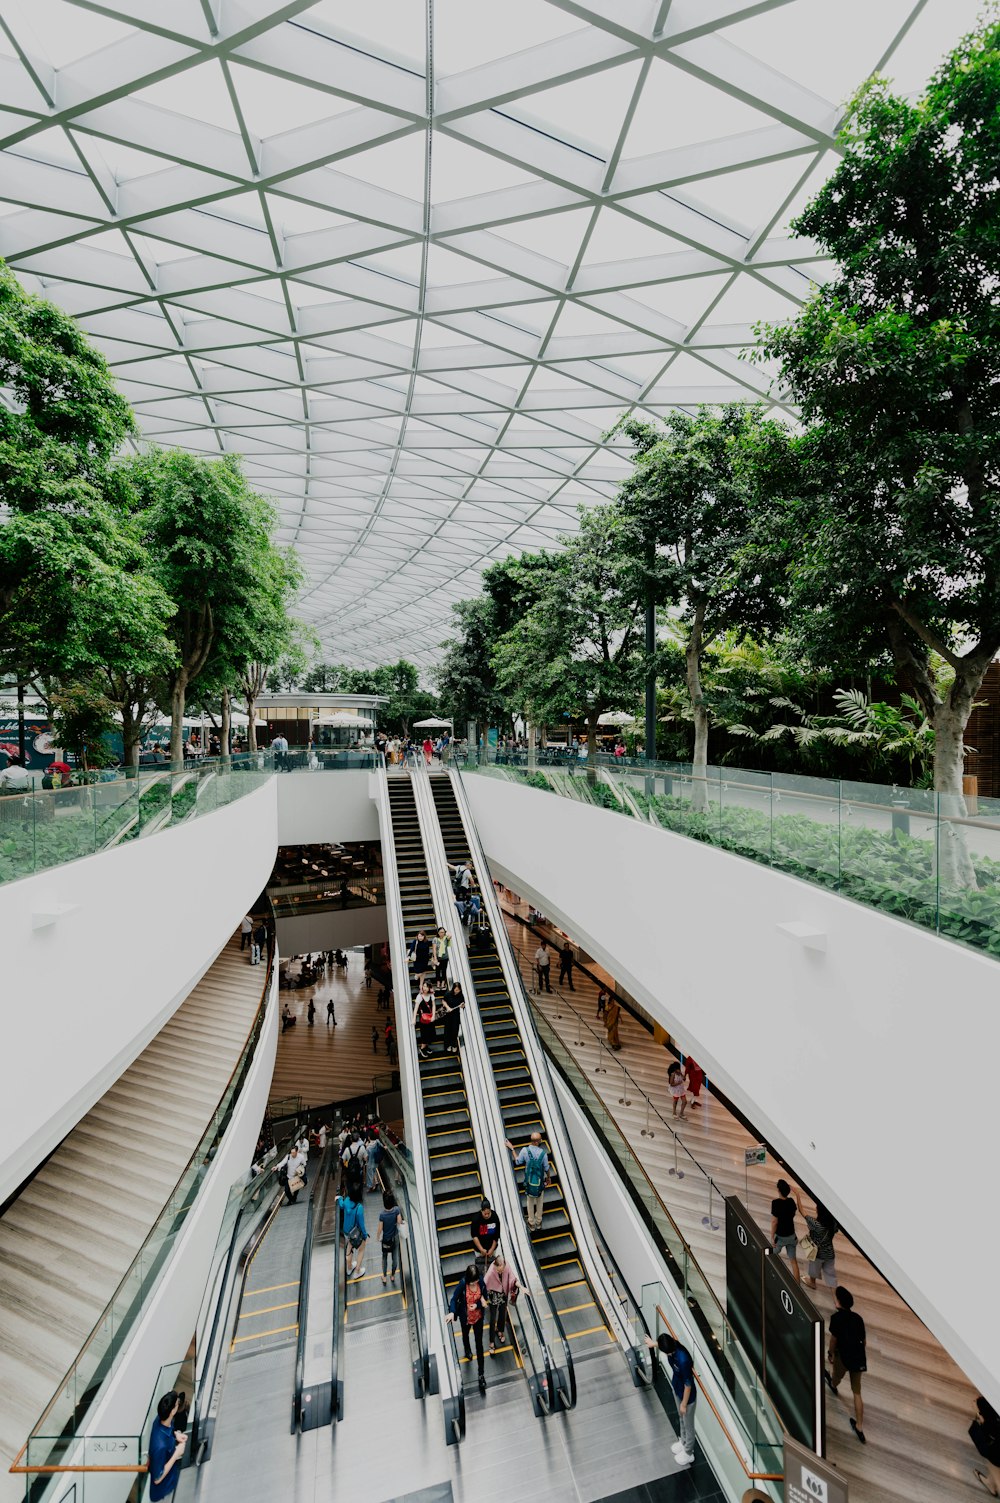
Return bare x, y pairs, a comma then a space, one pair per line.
416, 338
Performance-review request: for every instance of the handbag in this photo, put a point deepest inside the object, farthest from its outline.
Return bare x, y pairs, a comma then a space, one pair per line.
807, 1249
295, 1185
980, 1438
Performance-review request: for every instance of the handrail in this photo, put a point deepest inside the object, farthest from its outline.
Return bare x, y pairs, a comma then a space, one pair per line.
489, 1132
302, 1314
570, 1177
406, 1042
198, 1164
402, 1161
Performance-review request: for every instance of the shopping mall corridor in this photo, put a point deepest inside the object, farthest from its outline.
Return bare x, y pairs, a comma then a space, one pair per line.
918, 1404
331, 1062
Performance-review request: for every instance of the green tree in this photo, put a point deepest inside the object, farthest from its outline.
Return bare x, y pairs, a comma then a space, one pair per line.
895, 363
688, 511
577, 649
209, 538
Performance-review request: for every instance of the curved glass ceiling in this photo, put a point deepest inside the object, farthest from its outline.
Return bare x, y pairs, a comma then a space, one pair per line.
416, 337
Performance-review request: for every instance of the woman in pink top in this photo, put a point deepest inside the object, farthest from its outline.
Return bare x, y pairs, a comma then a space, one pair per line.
502, 1290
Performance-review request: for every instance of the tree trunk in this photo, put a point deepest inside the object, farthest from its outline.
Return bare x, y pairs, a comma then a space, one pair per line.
951, 716
592, 748
699, 712
226, 735
130, 740
21, 740
178, 694
252, 718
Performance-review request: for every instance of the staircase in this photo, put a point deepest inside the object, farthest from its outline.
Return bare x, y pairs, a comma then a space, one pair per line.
69, 1238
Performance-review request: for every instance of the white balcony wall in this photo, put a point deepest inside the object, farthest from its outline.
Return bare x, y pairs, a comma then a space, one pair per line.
315, 807
870, 1066
138, 926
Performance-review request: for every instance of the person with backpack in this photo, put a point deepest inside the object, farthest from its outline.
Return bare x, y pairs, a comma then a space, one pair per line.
847, 1354
466, 1306
352, 1224
354, 1158
390, 1218
537, 1176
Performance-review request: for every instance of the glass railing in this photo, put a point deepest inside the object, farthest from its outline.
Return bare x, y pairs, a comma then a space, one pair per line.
66, 1414
402, 1178
929, 858
42, 828
751, 1413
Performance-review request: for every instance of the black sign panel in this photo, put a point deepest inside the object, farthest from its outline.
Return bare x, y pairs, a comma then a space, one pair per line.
793, 1355
745, 1250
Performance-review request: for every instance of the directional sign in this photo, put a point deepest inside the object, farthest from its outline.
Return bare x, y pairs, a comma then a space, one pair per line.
754, 1156
809, 1480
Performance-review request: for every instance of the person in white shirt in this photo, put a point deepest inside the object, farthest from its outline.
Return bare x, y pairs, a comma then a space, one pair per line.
246, 930
295, 1174
15, 777
543, 960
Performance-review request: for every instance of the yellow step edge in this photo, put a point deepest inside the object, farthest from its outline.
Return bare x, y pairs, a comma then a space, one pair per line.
268, 1309
259, 1335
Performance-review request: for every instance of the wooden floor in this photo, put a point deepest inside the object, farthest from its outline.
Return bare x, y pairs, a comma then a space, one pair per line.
918, 1404
70, 1237
324, 1063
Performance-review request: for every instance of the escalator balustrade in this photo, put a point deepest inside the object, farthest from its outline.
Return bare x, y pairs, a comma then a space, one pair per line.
456, 1180
555, 1245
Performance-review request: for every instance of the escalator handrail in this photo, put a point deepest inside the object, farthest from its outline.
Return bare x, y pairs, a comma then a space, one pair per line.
406, 1043
339, 1307
302, 1314
489, 1129
570, 1179
402, 1160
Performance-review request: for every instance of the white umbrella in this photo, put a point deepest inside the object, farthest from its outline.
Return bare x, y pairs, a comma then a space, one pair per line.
616, 717
346, 722
432, 725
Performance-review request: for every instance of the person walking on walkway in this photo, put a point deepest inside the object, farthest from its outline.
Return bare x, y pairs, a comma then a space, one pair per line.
612, 1018
311, 1013
390, 1219
246, 930
354, 1158
783, 1235
451, 1005
543, 960
293, 1168
537, 1175
466, 1307
424, 1016
696, 1079
502, 1290
847, 1354
331, 1016
685, 1392
566, 963
823, 1227
258, 943
603, 999
440, 946
352, 1224
677, 1086
984, 1432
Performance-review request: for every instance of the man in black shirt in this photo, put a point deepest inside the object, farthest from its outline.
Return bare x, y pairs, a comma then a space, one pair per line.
847, 1353
566, 959
783, 1235
484, 1229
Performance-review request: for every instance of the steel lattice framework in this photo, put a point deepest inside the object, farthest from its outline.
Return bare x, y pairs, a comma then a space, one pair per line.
412, 258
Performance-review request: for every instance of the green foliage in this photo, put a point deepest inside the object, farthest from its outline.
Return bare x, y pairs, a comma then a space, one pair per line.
82, 717
399, 682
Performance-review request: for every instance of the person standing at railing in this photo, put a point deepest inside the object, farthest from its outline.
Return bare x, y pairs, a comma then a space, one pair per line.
566, 962
543, 961
612, 1018
685, 1392
537, 1175
166, 1448
440, 945
390, 1219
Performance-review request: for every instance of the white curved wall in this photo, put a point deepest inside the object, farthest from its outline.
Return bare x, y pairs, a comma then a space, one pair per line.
83, 996
871, 1066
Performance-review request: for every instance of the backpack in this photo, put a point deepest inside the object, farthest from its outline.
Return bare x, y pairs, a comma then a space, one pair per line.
534, 1171
354, 1169
352, 1232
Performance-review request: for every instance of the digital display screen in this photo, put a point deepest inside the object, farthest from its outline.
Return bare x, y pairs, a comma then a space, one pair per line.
793, 1348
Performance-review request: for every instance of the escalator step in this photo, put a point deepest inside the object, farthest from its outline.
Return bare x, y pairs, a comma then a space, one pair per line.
439, 1121
449, 1184
553, 1248
457, 1160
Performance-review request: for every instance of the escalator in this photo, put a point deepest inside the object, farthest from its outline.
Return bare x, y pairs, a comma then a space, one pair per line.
556, 1248
456, 1178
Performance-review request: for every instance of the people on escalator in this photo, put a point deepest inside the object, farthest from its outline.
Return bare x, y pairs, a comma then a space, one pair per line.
451, 1005
352, 1224
292, 1174
473, 909
374, 1148
419, 954
390, 1219
166, 1448
424, 1015
537, 1174
484, 1231
440, 946
502, 1290
354, 1159
466, 1307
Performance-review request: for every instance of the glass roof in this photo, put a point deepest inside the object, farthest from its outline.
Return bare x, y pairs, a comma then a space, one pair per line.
416, 337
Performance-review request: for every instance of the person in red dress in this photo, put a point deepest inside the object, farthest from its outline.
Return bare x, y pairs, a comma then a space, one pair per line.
696, 1079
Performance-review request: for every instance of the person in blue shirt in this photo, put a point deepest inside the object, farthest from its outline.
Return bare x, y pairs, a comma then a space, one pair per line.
166, 1449
685, 1392
355, 1233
